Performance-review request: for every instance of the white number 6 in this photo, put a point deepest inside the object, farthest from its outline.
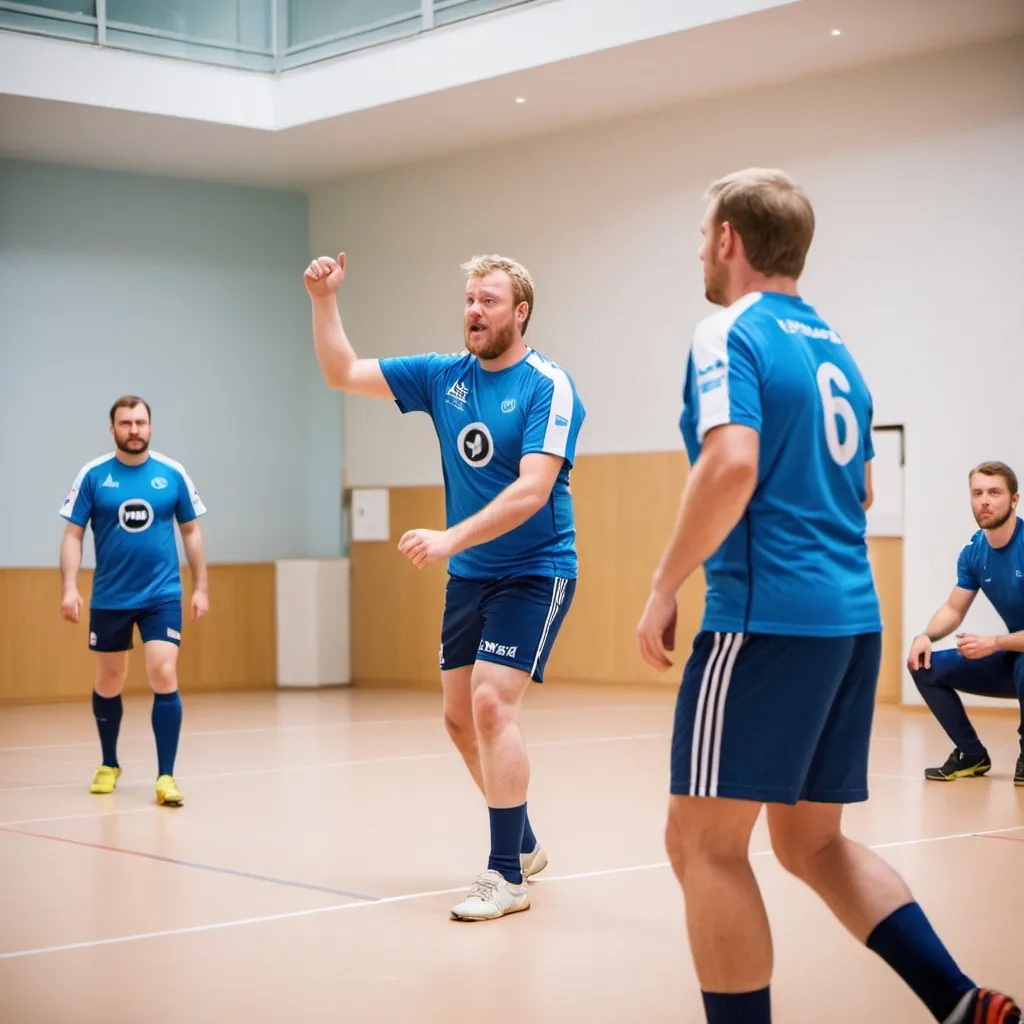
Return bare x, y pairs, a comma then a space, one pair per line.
837, 407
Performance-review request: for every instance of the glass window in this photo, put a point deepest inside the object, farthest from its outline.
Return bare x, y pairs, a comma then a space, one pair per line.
70, 19
447, 11
220, 22
86, 7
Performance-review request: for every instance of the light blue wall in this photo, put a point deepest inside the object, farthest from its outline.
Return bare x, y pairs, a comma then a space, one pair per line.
186, 293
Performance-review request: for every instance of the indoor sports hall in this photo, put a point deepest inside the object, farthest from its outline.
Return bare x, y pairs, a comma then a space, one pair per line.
168, 171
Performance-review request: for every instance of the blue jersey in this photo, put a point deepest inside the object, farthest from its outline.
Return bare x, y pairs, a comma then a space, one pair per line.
486, 421
797, 561
998, 573
132, 510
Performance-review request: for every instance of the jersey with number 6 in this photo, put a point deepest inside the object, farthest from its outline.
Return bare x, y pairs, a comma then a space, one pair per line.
797, 562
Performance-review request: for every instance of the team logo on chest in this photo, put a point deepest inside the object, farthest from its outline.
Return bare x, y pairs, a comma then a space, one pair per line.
475, 444
457, 396
135, 515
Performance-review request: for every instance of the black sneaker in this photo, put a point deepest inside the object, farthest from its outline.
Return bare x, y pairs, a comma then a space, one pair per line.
1018, 775
960, 766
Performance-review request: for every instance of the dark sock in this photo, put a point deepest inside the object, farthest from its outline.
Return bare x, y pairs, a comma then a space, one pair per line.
107, 711
166, 729
738, 1007
529, 839
507, 841
907, 943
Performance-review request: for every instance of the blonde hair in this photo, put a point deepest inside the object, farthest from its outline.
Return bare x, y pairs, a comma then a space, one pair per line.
522, 283
772, 215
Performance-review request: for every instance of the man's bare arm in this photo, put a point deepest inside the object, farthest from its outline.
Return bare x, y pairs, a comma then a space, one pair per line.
341, 367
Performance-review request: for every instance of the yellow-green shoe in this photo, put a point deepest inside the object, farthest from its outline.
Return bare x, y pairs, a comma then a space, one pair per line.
105, 779
167, 792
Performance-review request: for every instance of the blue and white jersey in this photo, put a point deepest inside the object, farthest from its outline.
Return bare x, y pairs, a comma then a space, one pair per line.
486, 421
132, 510
998, 573
797, 562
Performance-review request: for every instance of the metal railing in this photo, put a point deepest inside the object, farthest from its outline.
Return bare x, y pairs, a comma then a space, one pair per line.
260, 35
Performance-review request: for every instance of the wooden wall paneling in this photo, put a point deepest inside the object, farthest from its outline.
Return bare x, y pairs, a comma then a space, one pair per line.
625, 508
397, 608
44, 658
886, 554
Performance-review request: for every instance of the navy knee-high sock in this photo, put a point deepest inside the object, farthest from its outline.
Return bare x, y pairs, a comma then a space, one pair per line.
738, 1007
529, 839
507, 841
107, 712
166, 729
908, 944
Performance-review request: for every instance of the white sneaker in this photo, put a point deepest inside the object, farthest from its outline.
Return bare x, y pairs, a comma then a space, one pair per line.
491, 897
533, 863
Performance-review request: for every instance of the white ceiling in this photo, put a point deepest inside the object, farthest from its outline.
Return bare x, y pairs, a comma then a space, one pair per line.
772, 46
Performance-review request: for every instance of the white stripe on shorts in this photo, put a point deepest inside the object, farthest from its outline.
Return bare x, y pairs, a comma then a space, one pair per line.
557, 596
709, 720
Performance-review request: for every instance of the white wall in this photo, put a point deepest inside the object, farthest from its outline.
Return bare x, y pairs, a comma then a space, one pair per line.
913, 168
190, 295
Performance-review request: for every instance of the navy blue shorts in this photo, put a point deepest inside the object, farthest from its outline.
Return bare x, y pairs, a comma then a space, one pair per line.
512, 621
111, 629
776, 719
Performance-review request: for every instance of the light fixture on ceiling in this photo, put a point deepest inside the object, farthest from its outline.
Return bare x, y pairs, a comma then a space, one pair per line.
837, 32
520, 99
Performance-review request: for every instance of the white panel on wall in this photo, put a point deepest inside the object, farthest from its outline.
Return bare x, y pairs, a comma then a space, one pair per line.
312, 597
885, 517
370, 514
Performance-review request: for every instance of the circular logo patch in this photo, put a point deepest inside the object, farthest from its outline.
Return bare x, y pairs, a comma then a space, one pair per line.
476, 446
135, 515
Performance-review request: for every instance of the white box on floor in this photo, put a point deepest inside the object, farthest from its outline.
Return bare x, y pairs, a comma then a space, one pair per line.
313, 622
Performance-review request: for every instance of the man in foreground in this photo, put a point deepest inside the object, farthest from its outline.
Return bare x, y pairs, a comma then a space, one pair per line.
777, 697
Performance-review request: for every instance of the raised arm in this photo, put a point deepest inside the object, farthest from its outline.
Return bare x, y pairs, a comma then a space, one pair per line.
341, 367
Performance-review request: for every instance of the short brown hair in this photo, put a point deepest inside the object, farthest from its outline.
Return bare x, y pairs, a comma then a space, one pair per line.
772, 215
522, 283
996, 469
129, 402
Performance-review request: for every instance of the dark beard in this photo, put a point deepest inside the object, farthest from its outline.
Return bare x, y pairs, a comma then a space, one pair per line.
998, 522
132, 451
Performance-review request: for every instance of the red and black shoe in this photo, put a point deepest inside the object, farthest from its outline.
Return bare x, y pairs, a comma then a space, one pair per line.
985, 1006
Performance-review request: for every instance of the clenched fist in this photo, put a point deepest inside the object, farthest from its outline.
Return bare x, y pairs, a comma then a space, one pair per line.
324, 275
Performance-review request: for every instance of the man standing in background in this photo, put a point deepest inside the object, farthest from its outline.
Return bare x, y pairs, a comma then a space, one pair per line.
989, 666
132, 498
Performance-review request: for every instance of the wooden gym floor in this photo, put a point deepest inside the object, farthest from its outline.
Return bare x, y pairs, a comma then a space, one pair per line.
325, 835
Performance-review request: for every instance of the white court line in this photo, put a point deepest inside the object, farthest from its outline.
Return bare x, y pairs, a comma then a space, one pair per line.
406, 897
337, 724
247, 773
139, 810
75, 817
250, 772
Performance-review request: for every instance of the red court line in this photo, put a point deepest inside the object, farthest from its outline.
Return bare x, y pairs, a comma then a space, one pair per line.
191, 864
